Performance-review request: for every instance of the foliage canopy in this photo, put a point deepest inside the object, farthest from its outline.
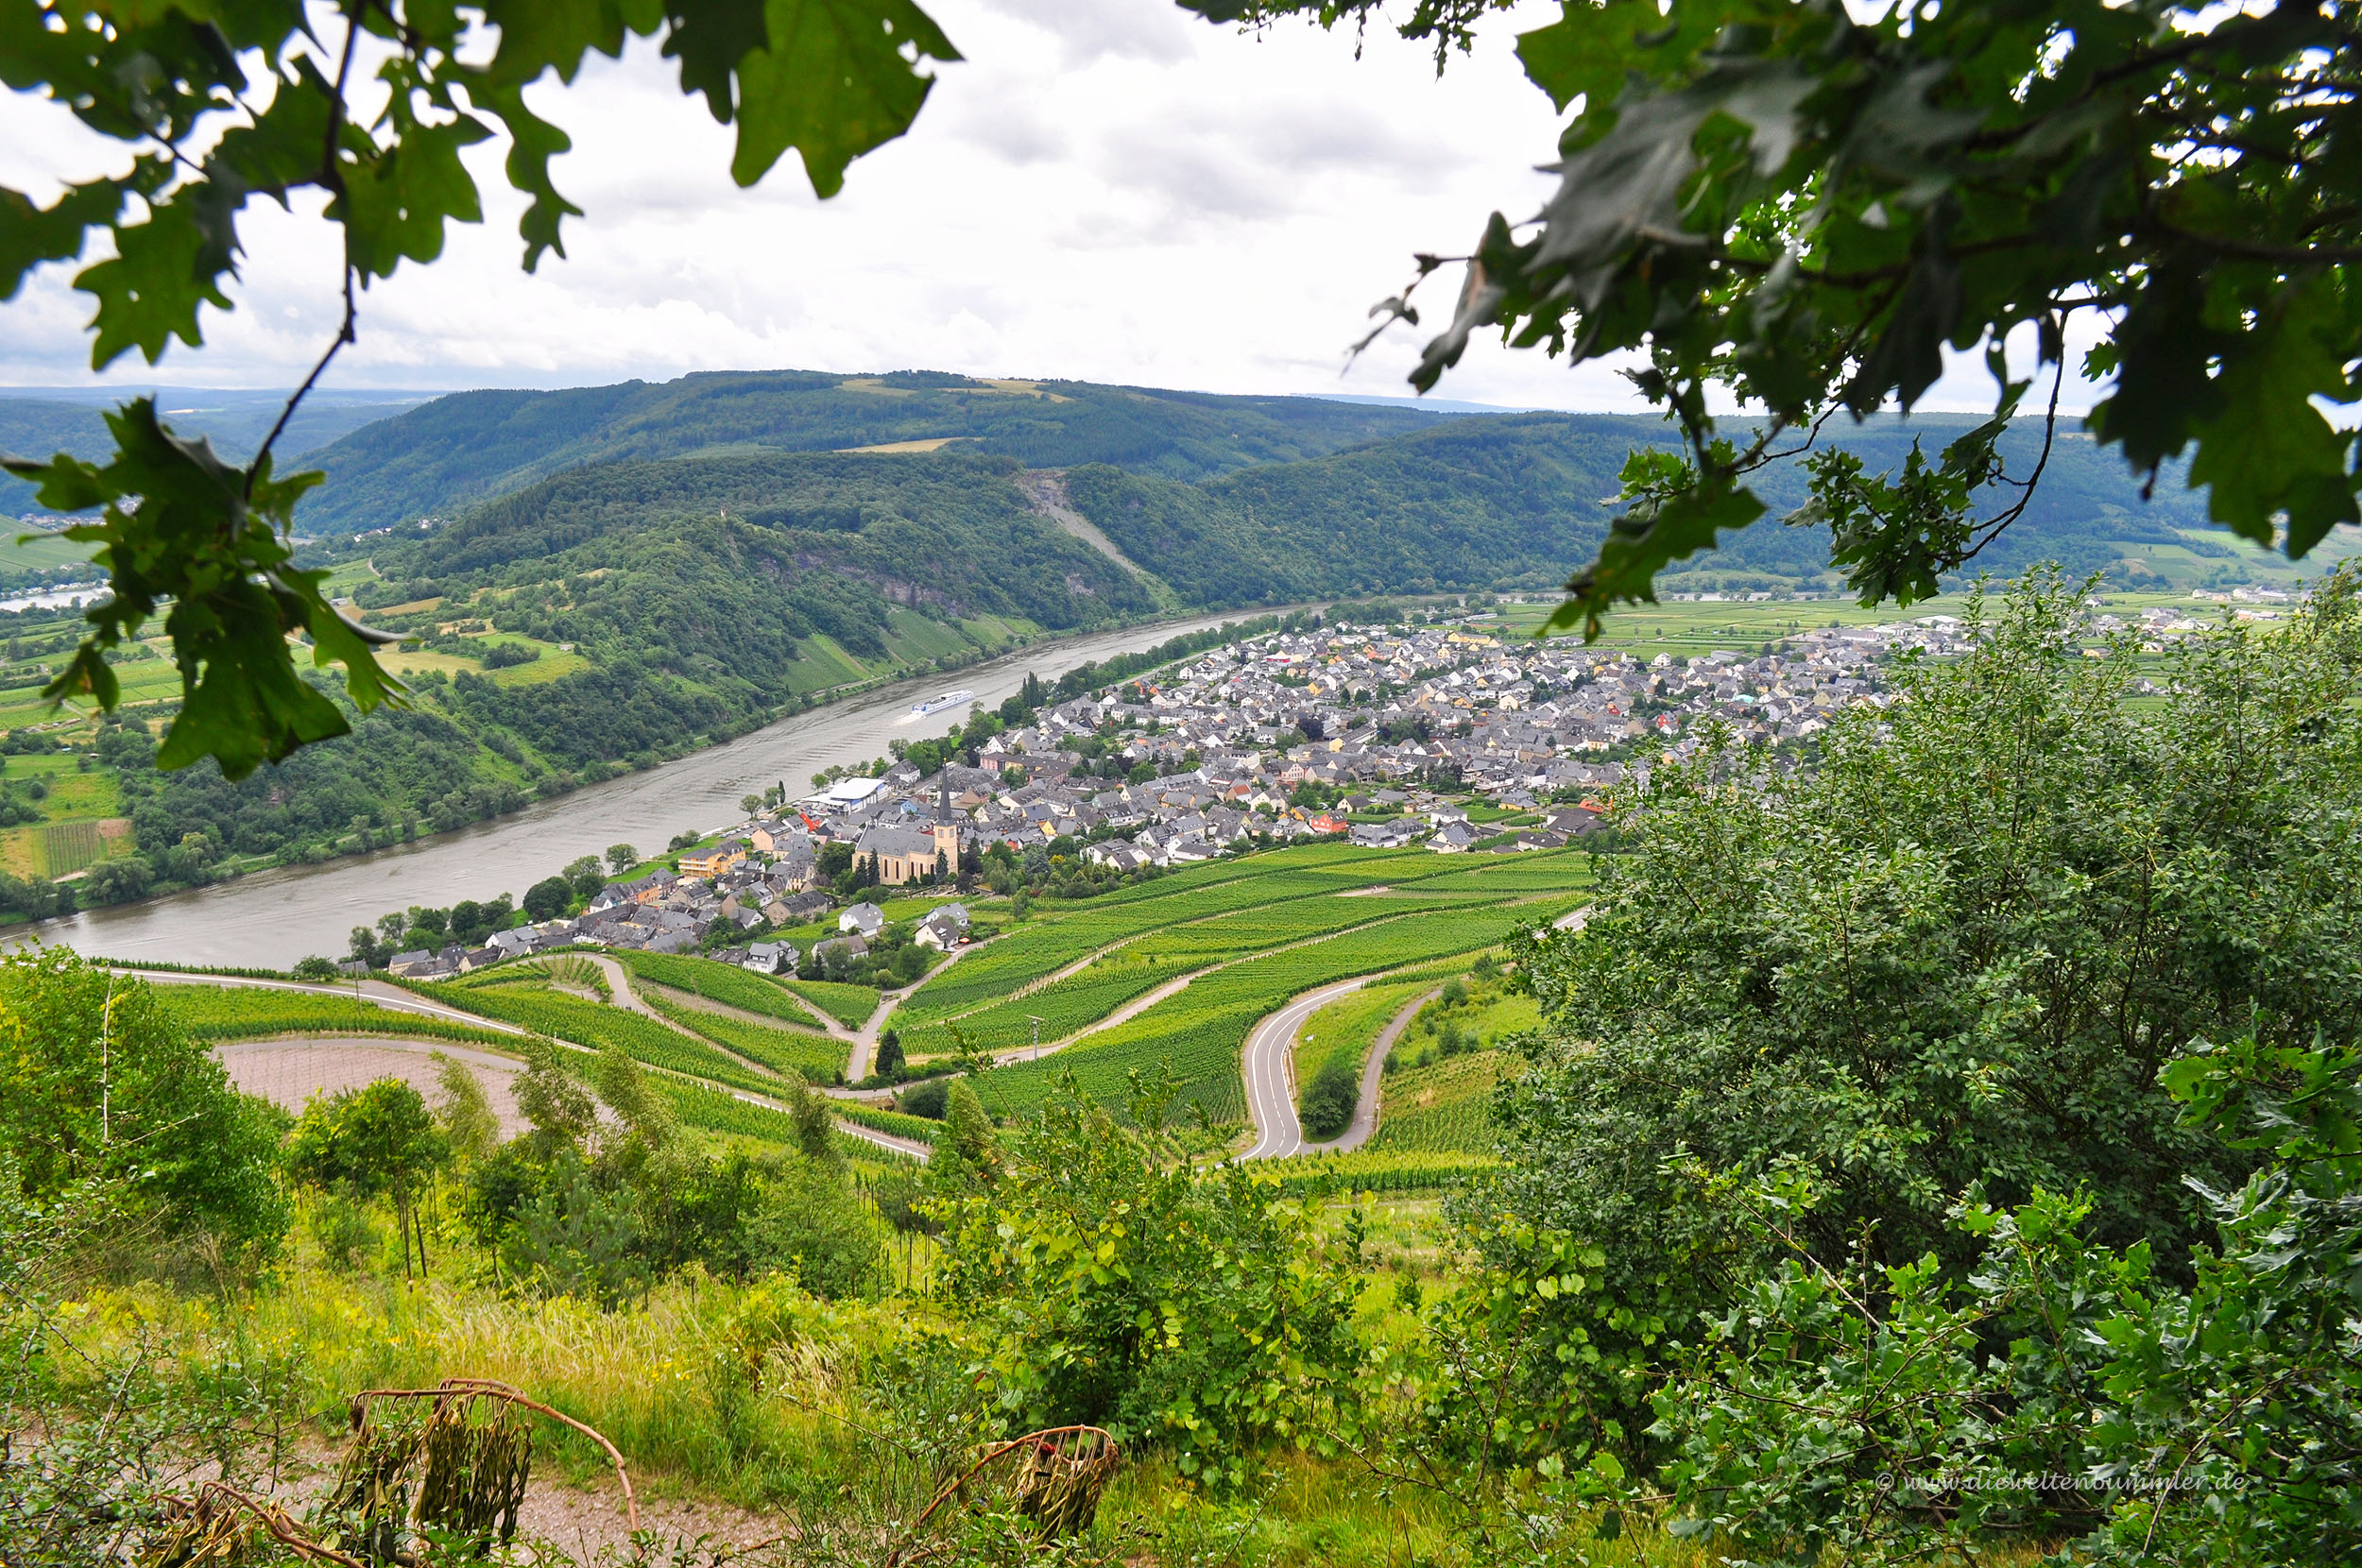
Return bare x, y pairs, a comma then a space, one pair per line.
1803, 205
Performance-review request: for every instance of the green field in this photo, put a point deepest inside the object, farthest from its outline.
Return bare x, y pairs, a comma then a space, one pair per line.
1345, 1030
849, 1005
1067, 935
721, 982
1374, 1170
246, 1013
1439, 1108
1196, 1033
816, 1058
600, 1024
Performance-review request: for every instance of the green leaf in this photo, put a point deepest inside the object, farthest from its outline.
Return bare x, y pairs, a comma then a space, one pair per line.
839, 78
2269, 449
711, 40
183, 527
533, 142
30, 235
539, 35
286, 144
1645, 539
148, 292
395, 204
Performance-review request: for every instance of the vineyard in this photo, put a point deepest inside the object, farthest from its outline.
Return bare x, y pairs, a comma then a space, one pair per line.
1197, 1032
1036, 951
597, 1025
1442, 1108
1063, 1007
68, 847
1345, 1029
1544, 871
1381, 1171
917, 1128
816, 1058
246, 1013
725, 984
849, 1005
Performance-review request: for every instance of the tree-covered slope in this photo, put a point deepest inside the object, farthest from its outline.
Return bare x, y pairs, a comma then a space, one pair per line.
470, 446
823, 542
1522, 500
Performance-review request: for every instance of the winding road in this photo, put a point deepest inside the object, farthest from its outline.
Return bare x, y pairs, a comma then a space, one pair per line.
1268, 1063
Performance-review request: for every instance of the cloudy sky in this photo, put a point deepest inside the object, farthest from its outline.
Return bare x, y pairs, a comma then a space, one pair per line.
1106, 190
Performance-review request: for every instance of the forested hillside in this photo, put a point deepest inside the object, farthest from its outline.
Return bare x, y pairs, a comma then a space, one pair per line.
1518, 501
471, 445
668, 604
1227, 499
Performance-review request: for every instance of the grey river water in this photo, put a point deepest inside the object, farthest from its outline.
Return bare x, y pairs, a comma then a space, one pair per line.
272, 918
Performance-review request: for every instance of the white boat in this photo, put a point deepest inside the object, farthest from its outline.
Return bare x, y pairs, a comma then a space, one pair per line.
936, 705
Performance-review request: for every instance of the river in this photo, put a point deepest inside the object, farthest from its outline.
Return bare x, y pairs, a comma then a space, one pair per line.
269, 919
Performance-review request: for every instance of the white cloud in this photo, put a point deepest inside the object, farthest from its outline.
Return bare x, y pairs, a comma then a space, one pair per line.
1105, 189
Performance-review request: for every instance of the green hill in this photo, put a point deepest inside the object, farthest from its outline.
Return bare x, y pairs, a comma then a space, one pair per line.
471, 445
1227, 499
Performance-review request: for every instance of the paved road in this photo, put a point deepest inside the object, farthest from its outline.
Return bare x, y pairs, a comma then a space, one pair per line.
1269, 1065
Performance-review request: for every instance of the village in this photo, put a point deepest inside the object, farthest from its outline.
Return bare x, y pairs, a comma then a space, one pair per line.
1444, 734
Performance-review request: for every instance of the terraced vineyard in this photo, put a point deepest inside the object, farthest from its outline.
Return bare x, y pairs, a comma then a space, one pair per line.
1245, 936
1063, 1007
1441, 1108
725, 984
917, 1128
1034, 953
599, 1024
1197, 1032
1536, 871
1140, 966
1381, 1171
815, 1057
849, 1005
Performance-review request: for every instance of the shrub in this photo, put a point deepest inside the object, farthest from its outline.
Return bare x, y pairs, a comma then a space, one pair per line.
1327, 1108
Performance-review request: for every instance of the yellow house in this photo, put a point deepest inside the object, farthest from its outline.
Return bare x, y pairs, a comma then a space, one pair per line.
711, 863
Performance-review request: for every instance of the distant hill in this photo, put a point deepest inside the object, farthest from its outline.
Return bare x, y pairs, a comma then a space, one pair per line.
471, 445
1518, 501
42, 422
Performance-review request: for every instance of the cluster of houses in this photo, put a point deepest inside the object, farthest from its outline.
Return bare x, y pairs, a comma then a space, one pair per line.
1400, 725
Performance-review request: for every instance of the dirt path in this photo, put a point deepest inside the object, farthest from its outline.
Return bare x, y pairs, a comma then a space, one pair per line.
301, 1075
865, 1042
827, 1020
620, 992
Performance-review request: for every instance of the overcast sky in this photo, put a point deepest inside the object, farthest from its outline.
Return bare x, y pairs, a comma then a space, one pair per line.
1105, 189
